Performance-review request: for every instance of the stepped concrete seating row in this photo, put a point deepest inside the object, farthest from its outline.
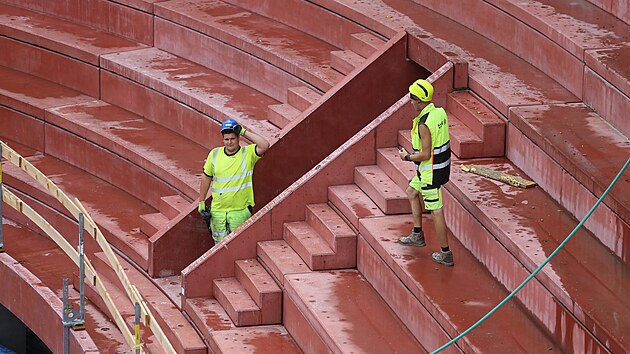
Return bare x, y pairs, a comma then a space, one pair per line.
34, 267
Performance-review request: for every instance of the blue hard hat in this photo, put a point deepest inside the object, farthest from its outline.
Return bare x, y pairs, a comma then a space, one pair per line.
228, 124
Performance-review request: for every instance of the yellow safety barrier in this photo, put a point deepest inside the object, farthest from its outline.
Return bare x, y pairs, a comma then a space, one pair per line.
75, 208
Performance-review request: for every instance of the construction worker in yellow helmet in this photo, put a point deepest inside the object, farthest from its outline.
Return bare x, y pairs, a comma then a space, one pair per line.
432, 157
229, 171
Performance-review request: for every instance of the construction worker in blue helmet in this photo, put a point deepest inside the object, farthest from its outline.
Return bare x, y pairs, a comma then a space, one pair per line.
228, 171
432, 156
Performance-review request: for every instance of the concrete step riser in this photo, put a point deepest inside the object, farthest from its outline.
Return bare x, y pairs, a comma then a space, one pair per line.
345, 61
302, 97
320, 221
173, 205
236, 302
390, 198
365, 44
262, 288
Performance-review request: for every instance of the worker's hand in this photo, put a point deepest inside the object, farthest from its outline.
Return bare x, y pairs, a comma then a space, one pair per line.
239, 130
202, 206
402, 152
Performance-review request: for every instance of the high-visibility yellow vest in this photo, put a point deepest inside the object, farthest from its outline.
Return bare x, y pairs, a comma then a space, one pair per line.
435, 171
232, 187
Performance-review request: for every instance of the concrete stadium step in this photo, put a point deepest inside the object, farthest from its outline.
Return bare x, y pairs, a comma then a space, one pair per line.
365, 44
353, 203
241, 308
280, 259
389, 197
48, 265
101, 199
512, 82
282, 114
468, 108
340, 312
582, 154
302, 97
46, 64
309, 245
179, 331
163, 153
259, 339
336, 233
142, 5
205, 90
464, 142
208, 316
455, 297
74, 40
345, 61
401, 172
129, 23
150, 224
262, 289
584, 277
172, 205
283, 46
33, 95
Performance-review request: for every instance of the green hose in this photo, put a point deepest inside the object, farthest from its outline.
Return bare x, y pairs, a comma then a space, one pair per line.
531, 276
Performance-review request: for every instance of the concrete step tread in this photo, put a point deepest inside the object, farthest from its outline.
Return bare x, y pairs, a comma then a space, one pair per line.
345, 61
328, 224
199, 87
208, 315
173, 205
261, 288
152, 223
365, 44
289, 48
471, 111
147, 144
353, 203
177, 328
101, 199
268, 339
32, 95
280, 259
282, 114
234, 298
580, 141
75, 40
584, 276
455, 296
390, 198
302, 97
330, 301
304, 234
400, 171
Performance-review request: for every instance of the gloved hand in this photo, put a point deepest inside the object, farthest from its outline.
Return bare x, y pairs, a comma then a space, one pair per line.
202, 206
239, 130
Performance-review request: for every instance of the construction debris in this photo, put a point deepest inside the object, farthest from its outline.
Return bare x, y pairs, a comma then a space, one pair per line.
515, 181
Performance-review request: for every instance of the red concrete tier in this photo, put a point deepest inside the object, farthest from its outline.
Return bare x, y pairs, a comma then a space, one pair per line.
21, 132
345, 61
389, 197
286, 47
161, 152
498, 76
102, 200
573, 142
143, 5
365, 44
309, 245
353, 203
530, 225
172, 287
104, 15
610, 103
612, 65
236, 301
179, 331
173, 205
282, 114
226, 59
32, 95
33, 267
208, 316
302, 97
346, 313
280, 259
456, 297
262, 289
150, 224
69, 38
193, 85
49, 65
335, 232
310, 18
260, 339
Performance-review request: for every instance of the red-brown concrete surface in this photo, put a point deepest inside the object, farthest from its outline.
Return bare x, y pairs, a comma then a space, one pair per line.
34, 267
260, 339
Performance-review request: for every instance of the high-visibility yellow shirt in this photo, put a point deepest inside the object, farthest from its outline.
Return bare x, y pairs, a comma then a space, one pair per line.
436, 170
232, 187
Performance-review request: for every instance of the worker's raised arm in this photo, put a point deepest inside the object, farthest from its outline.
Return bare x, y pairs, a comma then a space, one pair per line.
261, 143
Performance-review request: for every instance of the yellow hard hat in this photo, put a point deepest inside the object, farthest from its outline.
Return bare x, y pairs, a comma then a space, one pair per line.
422, 89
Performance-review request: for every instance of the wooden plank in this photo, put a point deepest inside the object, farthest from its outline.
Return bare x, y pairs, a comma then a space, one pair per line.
515, 181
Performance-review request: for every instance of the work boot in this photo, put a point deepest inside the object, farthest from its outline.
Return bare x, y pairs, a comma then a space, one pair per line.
414, 239
442, 257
